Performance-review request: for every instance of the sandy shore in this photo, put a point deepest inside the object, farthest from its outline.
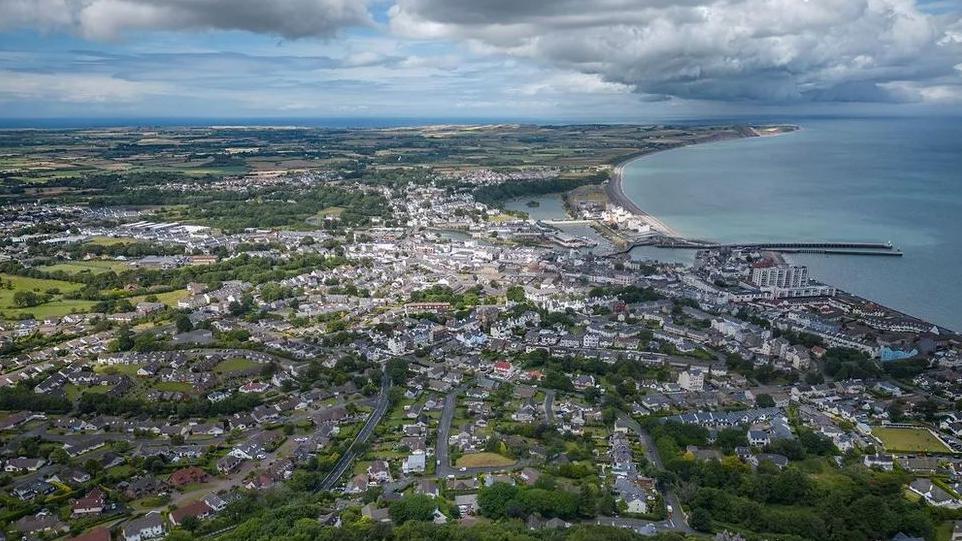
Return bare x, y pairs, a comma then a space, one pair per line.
617, 195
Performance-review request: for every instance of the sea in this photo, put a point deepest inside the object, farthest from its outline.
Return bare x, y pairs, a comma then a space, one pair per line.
895, 180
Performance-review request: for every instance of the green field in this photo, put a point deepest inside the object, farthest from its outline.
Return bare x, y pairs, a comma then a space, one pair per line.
484, 460
57, 307
169, 298
237, 364
94, 267
909, 440
110, 241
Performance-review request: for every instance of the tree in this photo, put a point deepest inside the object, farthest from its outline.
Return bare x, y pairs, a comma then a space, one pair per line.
700, 519
730, 438
764, 400
124, 340
397, 369
515, 294
182, 321
494, 500
416, 507
190, 523
25, 299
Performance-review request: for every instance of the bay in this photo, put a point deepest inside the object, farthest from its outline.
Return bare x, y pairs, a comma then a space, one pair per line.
877, 179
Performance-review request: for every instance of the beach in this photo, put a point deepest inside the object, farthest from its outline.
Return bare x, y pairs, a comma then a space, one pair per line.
616, 193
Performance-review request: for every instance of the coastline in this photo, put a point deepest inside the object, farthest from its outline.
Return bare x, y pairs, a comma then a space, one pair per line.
617, 195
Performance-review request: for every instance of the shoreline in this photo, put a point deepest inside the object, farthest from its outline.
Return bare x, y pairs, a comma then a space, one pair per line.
616, 194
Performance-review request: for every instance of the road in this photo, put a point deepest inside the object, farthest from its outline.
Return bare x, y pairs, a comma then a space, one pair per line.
444, 468
380, 408
678, 520
549, 406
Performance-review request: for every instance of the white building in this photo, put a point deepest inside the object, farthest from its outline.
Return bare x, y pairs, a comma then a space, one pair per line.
692, 380
150, 526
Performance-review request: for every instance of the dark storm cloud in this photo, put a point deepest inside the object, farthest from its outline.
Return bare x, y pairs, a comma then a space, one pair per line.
755, 50
110, 19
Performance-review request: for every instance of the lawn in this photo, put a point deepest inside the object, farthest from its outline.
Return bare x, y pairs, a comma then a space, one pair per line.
74, 392
96, 266
169, 298
237, 364
909, 440
110, 241
502, 218
484, 460
174, 386
125, 369
55, 308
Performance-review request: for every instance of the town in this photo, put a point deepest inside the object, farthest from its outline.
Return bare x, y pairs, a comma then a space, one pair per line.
328, 349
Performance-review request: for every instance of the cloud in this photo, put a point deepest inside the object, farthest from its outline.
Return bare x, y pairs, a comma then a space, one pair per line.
74, 88
773, 51
113, 19
573, 83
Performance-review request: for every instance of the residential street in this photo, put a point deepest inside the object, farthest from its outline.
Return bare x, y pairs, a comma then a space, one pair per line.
677, 520
380, 409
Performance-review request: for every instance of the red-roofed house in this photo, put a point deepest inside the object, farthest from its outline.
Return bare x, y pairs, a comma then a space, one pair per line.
90, 505
188, 476
197, 509
503, 369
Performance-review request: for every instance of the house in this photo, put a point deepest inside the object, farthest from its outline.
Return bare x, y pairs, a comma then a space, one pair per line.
584, 382
428, 487
42, 522
933, 494
458, 485
150, 526
187, 476
197, 509
692, 380
229, 464
143, 485
467, 503
503, 370
375, 513
779, 461
884, 462
529, 475
634, 497
379, 472
759, 438
357, 485
17, 465
90, 505
414, 463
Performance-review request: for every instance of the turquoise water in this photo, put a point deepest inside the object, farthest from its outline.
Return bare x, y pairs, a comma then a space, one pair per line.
897, 180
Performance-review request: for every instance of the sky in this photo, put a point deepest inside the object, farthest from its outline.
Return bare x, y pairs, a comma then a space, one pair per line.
611, 60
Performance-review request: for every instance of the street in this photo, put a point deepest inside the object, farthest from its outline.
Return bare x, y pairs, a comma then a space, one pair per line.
383, 402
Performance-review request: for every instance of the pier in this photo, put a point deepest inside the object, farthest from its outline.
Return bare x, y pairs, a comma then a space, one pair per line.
792, 247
